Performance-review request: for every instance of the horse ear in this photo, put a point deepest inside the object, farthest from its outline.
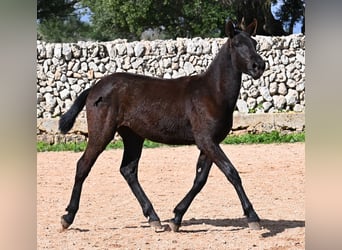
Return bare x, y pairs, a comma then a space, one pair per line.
229, 29
251, 29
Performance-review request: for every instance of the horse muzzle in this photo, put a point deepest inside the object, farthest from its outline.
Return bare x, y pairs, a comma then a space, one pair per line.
257, 69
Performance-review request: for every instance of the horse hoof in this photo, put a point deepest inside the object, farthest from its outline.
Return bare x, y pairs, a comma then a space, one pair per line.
65, 224
156, 225
167, 228
254, 225
174, 227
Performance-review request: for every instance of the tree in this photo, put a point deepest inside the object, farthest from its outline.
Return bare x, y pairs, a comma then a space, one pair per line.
58, 21
129, 18
247, 10
48, 9
56, 29
291, 12
207, 18
113, 19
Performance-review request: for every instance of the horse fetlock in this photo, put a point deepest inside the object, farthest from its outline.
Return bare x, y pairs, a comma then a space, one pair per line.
174, 226
155, 224
254, 225
158, 227
254, 221
252, 215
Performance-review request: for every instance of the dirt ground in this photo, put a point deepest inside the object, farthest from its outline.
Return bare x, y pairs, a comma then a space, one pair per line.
110, 217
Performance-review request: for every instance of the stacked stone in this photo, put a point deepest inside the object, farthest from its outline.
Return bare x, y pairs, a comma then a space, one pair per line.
65, 70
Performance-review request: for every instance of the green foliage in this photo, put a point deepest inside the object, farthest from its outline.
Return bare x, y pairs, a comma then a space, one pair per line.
272, 137
58, 29
206, 18
50, 9
129, 18
113, 19
59, 20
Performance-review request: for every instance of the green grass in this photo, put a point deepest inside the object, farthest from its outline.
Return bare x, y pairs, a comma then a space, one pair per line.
70, 146
264, 138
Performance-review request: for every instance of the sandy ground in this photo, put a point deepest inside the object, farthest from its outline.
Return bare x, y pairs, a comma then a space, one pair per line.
110, 217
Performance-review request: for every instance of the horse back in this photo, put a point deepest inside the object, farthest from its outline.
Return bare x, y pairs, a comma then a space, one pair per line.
153, 108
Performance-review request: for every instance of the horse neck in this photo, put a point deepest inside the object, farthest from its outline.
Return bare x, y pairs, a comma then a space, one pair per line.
223, 79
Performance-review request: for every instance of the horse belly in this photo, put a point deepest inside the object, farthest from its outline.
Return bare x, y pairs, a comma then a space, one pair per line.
168, 130
174, 132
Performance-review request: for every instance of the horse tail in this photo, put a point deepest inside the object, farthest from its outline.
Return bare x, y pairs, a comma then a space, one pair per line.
68, 119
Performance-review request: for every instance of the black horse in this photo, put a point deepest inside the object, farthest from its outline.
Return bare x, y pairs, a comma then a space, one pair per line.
189, 110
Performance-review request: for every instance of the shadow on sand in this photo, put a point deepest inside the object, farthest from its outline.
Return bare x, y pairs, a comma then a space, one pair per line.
273, 226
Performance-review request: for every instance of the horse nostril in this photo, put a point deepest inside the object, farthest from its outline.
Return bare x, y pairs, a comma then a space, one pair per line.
255, 66
258, 65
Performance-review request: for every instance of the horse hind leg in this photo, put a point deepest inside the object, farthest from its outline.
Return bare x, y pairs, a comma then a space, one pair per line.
83, 168
129, 169
96, 144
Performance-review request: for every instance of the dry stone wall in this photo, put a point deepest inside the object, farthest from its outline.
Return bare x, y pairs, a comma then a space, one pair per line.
65, 70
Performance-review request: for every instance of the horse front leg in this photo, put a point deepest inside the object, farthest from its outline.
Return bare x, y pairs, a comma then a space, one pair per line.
202, 171
215, 153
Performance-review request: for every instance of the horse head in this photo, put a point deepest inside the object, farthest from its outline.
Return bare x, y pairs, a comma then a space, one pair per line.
243, 50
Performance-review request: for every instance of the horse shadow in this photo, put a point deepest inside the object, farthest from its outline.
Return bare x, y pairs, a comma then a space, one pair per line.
274, 227
77, 229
